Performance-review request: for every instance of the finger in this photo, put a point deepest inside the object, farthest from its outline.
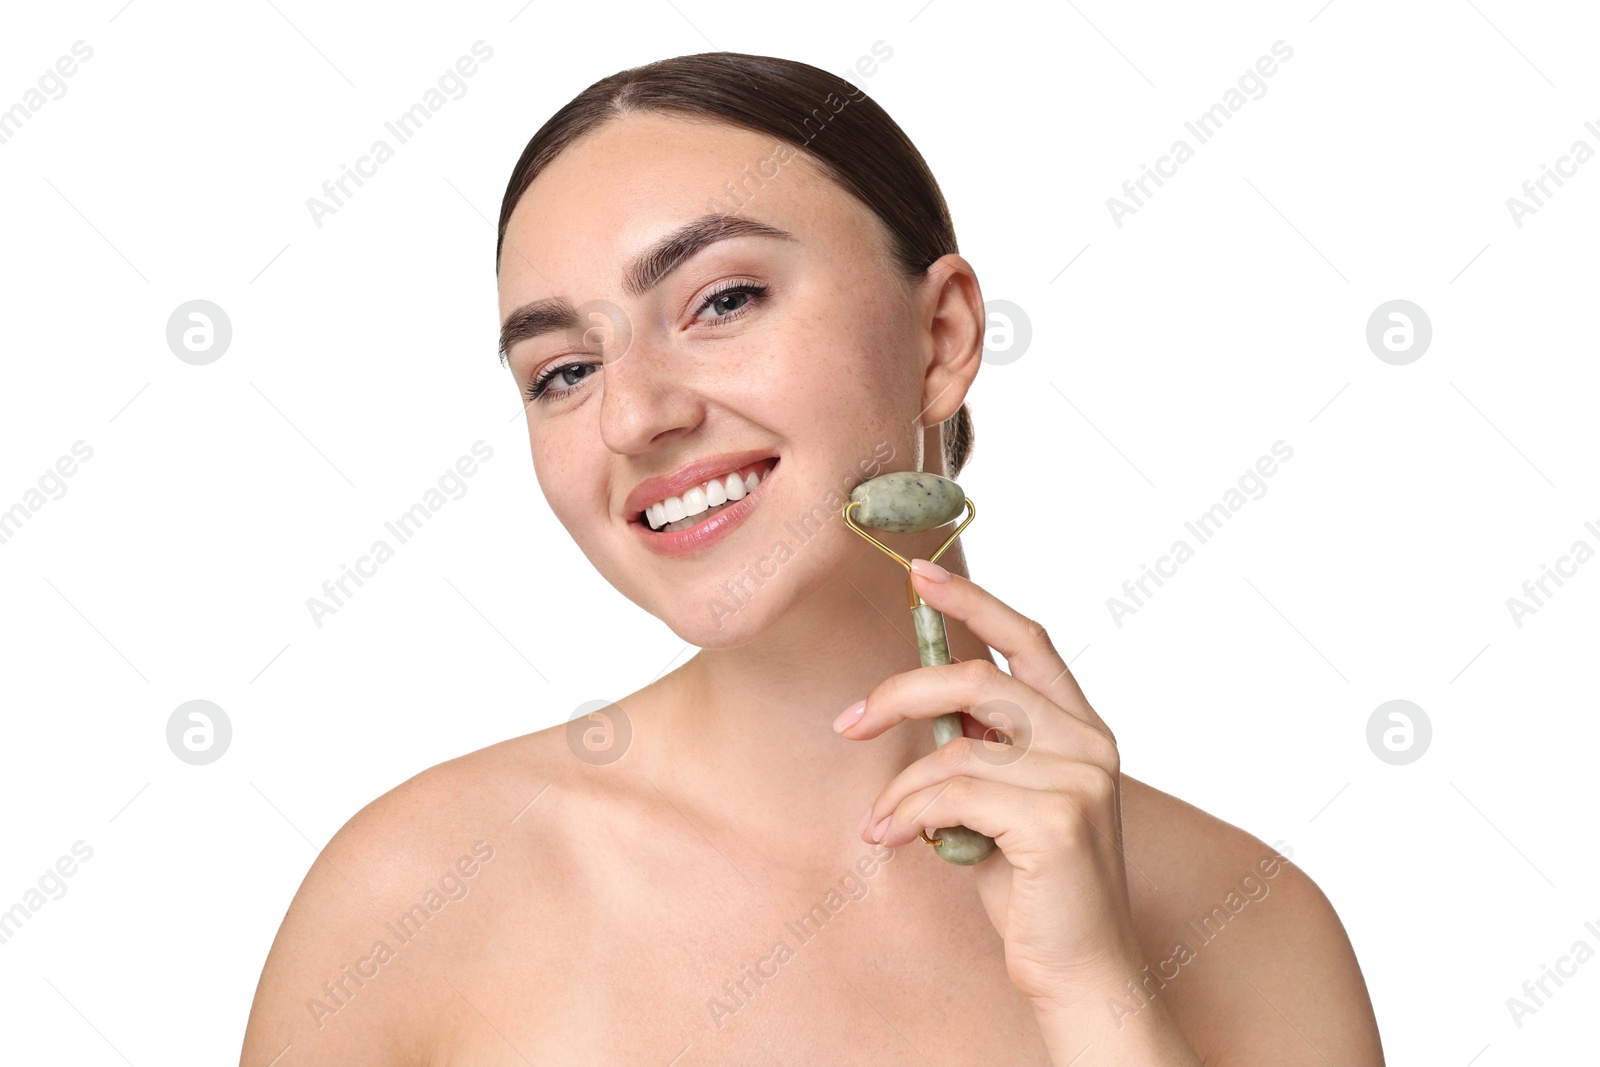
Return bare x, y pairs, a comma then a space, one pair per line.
999, 702
1005, 813
1020, 820
1030, 655
965, 757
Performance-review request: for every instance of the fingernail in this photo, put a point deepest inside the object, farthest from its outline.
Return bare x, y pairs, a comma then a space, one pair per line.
848, 716
861, 825
878, 830
929, 569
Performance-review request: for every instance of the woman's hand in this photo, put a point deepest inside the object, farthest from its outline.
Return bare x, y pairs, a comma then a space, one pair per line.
1056, 887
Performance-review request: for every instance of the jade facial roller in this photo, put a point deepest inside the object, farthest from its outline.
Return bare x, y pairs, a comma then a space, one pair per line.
913, 502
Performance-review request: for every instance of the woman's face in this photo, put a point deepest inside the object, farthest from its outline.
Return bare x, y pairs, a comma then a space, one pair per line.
806, 354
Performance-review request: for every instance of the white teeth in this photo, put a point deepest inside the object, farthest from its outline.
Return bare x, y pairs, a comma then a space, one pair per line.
696, 501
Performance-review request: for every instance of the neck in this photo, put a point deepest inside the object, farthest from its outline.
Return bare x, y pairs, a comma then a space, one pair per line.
751, 727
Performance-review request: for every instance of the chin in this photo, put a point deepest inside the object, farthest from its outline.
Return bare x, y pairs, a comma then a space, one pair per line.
716, 616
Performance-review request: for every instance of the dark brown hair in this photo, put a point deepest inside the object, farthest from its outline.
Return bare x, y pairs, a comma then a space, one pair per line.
837, 124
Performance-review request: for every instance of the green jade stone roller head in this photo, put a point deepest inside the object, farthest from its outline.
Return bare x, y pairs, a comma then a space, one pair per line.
913, 502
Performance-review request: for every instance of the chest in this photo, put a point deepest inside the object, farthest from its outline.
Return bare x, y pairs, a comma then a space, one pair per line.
721, 969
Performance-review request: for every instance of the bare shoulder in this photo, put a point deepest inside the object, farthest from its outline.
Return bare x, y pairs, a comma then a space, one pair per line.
1241, 946
356, 972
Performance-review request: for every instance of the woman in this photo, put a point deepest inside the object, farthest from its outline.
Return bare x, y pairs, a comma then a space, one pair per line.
730, 292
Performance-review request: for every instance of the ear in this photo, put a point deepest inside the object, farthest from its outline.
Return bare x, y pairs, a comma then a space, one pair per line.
950, 306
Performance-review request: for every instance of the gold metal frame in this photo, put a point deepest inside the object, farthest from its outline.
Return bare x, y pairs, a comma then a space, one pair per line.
972, 513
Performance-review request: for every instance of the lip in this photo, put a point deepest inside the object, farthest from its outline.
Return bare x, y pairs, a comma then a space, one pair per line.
650, 490
712, 530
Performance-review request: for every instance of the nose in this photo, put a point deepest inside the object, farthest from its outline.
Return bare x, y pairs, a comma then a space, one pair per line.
643, 395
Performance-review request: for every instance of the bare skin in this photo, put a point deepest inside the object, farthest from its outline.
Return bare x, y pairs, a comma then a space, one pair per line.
647, 904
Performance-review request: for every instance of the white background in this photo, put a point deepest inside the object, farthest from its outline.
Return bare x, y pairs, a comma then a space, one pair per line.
1227, 314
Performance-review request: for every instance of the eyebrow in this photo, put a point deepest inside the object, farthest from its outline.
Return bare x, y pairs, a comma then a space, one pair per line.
643, 274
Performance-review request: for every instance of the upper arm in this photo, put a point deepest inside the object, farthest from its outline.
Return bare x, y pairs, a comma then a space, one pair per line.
334, 989
1241, 946
1295, 987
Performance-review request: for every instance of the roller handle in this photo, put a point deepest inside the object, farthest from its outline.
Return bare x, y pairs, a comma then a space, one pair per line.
957, 844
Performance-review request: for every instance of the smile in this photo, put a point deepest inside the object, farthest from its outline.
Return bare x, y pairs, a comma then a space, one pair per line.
697, 504
700, 523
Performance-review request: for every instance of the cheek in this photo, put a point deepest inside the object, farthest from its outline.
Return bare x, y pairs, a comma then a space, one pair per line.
569, 485
879, 333
854, 360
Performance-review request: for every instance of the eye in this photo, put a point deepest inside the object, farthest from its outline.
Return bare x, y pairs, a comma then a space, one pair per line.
539, 387
732, 301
